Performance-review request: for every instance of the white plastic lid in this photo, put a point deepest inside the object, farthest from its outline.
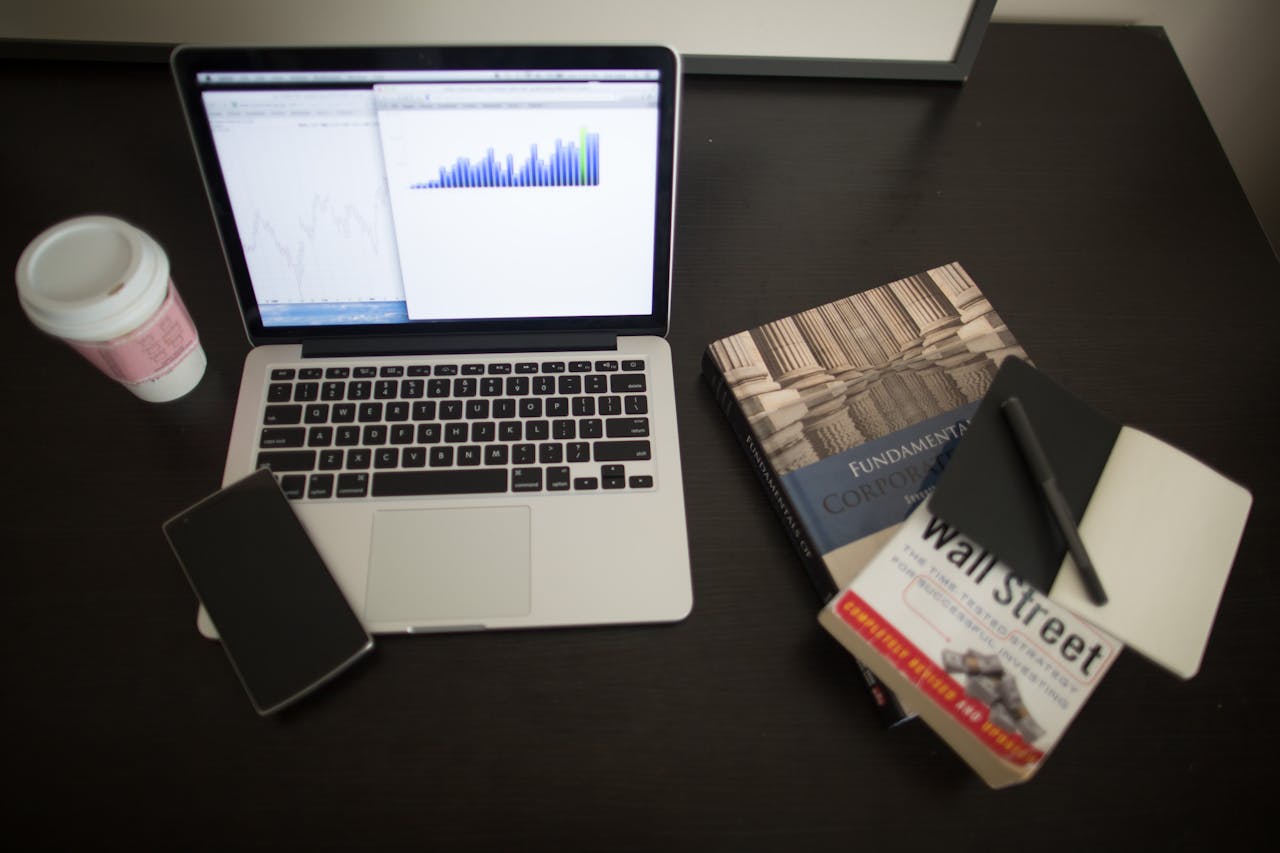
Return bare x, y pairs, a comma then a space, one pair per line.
92, 278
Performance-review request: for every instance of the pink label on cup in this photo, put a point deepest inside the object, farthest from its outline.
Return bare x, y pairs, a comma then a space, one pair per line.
149, 351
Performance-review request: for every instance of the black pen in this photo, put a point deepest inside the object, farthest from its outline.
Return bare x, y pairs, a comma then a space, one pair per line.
1034, 455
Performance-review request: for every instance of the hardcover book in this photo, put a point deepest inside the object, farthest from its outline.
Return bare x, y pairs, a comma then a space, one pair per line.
990, 664
849, 411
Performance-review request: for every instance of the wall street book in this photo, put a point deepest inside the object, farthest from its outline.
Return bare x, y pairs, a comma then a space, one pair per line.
994, 667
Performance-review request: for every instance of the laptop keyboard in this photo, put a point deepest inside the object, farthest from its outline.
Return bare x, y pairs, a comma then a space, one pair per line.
473, 427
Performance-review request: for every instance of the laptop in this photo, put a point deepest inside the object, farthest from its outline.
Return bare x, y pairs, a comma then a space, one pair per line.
454, 268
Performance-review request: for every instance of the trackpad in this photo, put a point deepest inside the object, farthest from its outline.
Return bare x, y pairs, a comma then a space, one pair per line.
453, 565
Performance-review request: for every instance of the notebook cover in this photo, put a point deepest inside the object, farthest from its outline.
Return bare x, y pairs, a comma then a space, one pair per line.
988, 492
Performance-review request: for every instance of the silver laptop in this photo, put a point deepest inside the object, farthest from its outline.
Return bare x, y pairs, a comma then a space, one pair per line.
454, 267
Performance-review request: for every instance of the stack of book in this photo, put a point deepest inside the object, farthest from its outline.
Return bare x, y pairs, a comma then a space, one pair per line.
851, 413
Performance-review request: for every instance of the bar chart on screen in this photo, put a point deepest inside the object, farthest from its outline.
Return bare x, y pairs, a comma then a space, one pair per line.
572, 163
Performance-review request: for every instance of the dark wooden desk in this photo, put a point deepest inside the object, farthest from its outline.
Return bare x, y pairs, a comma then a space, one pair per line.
1074, 175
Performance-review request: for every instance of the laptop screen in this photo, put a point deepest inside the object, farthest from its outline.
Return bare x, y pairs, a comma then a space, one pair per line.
359, 191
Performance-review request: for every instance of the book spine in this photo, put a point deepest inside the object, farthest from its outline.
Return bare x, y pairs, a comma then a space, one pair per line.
888, 707
814, 567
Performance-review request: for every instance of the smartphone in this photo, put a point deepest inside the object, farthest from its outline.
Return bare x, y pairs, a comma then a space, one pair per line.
285, 624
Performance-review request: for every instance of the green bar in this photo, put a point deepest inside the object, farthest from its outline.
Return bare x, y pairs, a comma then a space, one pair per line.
582, 156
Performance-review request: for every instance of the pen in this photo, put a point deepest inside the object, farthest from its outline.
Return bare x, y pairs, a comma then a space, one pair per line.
1034, 455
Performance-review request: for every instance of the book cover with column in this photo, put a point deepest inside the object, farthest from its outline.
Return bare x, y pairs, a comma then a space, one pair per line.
849, 411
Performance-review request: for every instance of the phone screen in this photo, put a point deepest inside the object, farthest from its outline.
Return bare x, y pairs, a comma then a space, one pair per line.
283, 621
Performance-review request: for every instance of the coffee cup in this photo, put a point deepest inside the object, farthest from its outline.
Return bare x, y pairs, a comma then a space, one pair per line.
103, 287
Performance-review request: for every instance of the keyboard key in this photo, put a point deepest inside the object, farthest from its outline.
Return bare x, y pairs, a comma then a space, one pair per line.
331, 460
627, 383
282, 373
305, 392
281, 461
358, 458
294, 486
353, 485
452, 482
279, 393
585, 484
472, 369
320, 436
320, 486
636, 405
393, 371
414, 457
621, 451
343, 413
419, 370
558, 478
282, 415
626, 427
370, 412
346, 436
606, 366
641, 481
337, 372
283, 437
526, 479
317, 413
366, 372
613, 476
633, 364
386, 457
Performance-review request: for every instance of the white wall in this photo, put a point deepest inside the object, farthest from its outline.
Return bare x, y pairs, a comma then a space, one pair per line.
1226, 46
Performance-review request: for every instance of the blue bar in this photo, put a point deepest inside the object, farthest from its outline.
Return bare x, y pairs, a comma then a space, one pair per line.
562, 167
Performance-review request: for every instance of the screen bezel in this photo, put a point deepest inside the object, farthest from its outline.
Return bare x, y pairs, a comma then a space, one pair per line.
188, 61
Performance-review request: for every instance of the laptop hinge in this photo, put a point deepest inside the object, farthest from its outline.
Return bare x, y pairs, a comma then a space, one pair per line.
446, 344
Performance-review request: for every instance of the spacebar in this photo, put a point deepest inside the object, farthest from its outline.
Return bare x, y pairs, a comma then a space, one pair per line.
388, 484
